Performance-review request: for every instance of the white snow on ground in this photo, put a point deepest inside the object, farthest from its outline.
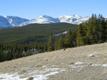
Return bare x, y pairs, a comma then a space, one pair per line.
10, 77
36, 74
93, 54
46, 71
100, 65
79, 63
78, 66
104, 65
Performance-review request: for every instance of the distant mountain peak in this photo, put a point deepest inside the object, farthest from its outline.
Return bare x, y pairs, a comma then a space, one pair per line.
14, 21
45, 19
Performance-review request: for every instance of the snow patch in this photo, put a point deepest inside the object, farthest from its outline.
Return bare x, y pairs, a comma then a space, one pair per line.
61, 33
96, 65
79, 63
104, 65
100, 65
10, 77
35, 74
78, 66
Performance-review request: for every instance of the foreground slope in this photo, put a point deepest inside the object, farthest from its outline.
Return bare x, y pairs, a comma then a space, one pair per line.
81, 63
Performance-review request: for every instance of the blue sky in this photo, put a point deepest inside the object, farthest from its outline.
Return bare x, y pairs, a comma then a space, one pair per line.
55, 8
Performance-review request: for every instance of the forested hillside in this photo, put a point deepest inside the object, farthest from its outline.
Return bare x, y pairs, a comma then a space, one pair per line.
91, 32
22, 41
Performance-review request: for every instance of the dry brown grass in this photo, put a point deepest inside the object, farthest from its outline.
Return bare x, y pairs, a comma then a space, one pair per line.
62, 59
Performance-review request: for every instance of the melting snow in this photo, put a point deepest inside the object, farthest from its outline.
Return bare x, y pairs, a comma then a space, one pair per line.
78, 66
37, 75
10, 77
104, 65
99, 65
79, 63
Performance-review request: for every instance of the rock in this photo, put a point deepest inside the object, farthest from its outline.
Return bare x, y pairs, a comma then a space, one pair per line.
91, 55
30, 78
71, 63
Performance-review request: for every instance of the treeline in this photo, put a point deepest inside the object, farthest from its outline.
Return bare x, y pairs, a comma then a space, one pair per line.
90, 32
13, 51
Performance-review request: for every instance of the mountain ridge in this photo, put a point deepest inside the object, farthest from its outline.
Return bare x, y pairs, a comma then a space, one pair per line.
15, 21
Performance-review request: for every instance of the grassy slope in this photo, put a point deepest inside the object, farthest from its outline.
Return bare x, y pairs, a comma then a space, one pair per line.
63, 59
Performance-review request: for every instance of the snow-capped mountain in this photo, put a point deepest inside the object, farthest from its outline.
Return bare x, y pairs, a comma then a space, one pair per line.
4, 22
42, 20
46, 19
16, 21
75, 19
13, 21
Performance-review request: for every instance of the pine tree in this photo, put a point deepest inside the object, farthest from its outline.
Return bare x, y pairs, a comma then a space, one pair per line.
83, 34
59, 43
68, 39
79, 37
91, 30
50, 45
102, 28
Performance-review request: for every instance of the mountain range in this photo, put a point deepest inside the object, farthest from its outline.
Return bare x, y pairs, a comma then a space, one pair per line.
14, 21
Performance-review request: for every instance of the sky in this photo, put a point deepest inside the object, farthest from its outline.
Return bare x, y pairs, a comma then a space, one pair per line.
55, 8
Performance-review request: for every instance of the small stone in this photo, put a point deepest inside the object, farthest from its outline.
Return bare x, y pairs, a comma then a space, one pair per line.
30, 78
72, 63
92, 55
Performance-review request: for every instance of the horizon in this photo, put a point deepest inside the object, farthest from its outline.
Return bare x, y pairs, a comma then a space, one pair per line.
31, 9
